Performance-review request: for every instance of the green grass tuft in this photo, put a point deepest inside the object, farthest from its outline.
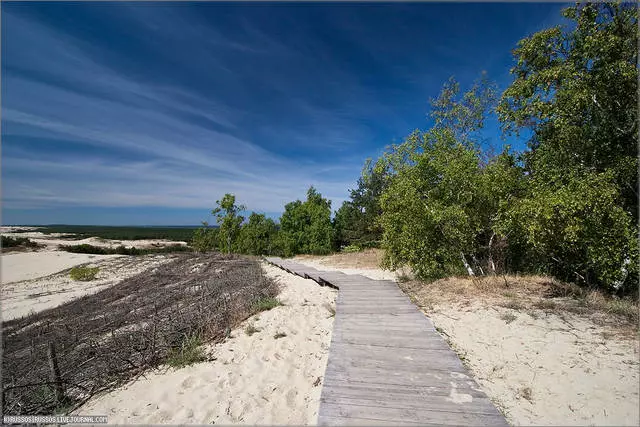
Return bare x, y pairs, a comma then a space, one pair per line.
190, 352
266, 303
84, 274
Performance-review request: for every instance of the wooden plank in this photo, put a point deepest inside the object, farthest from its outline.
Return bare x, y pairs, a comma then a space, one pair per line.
432, 402
396, 391
393, 415
342, 421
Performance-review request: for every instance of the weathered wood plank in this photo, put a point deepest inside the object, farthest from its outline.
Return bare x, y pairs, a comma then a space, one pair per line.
392, 415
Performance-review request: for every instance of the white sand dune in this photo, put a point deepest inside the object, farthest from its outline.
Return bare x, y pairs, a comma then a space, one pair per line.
21, 266
257, 379
53, 240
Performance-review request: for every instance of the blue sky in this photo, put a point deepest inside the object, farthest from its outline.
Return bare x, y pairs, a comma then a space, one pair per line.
147, 113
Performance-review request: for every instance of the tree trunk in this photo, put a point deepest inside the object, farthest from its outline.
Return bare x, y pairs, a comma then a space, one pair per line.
491, 263
466, 264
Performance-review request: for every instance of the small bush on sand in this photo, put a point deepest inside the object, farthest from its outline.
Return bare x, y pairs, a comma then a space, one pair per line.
279, 335
508, 317
250, 330
190, 352
266, 303
84, 274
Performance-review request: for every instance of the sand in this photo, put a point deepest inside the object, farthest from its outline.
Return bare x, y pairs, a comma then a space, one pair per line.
29, 285
255, 379
548, 370
30, 265
545, 369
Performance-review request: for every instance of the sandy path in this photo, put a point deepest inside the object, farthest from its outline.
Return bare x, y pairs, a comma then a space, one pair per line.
255, 379
30, 265
23, 297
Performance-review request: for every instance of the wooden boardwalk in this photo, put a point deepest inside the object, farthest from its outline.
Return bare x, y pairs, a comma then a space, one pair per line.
387, 364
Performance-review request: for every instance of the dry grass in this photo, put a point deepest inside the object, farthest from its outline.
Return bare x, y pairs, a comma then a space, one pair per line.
534, 295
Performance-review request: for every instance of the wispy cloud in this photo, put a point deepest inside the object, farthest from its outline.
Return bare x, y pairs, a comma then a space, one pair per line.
191, 144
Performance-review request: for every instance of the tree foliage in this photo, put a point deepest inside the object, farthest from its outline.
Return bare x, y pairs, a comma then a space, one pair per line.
307, 225
258, 236
439, 209
357, 220
229, 221
577, 90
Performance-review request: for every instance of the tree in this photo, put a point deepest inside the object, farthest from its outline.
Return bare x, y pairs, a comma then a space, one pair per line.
229, 221
258, 235
577, 90
205, 239
440, 207
356, 222
307, 225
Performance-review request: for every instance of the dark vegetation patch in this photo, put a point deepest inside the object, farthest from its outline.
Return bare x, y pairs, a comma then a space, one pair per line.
182, 234
104, 340
17, 243
122, 250
84, 273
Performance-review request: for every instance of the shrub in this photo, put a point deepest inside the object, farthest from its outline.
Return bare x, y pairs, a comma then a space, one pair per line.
205, 239
14, 242
577, 231
250, 330
84, 274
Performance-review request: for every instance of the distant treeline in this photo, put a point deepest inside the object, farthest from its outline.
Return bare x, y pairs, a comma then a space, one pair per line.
122, 250
443, 203
180, 234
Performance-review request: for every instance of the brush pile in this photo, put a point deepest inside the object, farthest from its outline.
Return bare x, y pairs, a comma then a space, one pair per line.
55, 360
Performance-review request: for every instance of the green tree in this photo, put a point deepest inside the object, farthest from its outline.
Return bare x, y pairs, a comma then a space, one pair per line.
205, 239
357, 220
229, 221
307, 225
440, 208
258, 236
577, 90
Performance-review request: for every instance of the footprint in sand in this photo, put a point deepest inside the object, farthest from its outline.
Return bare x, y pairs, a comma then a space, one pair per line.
291, 398
188, 382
